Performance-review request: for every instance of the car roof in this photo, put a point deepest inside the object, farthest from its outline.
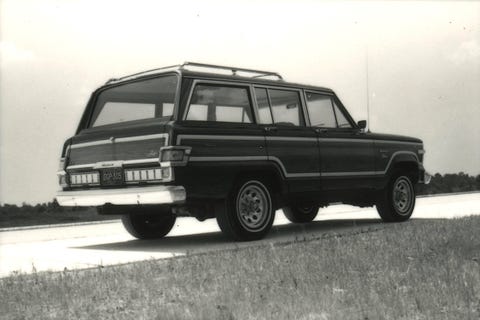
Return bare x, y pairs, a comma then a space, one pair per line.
234, 74
259, 81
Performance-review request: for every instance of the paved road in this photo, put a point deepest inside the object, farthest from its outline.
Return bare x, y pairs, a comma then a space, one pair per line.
86, 246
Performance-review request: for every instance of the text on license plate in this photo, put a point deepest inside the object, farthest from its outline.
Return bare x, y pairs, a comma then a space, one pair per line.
112, 176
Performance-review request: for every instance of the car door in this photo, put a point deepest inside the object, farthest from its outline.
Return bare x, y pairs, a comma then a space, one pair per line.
291, 145
346, 153
219, 126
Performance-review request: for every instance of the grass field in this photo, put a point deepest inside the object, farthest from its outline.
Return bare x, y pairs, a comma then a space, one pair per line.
422, 269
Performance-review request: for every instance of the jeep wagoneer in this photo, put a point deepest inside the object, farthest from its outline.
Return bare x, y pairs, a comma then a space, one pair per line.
232, 144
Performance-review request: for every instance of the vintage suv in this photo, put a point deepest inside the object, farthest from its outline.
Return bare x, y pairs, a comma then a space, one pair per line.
232, 144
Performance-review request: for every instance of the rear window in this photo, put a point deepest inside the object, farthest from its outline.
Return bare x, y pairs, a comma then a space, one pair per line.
148, 99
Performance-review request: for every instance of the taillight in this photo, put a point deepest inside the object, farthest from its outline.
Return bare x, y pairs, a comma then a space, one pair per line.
62, 175
175, 155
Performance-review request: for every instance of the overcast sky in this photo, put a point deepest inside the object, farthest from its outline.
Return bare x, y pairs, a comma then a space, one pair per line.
423, 58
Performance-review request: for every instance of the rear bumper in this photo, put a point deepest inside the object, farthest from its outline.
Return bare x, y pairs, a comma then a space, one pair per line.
124, 196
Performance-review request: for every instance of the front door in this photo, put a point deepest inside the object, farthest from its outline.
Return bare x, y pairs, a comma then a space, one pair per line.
346, 154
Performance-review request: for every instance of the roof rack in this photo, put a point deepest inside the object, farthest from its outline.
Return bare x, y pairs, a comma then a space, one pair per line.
234, 70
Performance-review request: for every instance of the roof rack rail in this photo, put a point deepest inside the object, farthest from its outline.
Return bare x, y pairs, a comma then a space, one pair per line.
141, 73
234, 70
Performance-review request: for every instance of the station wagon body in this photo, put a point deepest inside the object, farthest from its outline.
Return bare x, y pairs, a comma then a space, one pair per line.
232, 144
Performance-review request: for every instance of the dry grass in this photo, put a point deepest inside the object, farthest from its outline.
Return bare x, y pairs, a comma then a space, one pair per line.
423, 269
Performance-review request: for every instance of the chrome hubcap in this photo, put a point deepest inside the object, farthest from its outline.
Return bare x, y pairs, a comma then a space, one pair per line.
253, 207
402, 195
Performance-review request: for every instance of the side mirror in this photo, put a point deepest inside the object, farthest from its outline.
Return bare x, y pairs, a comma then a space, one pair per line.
362, 124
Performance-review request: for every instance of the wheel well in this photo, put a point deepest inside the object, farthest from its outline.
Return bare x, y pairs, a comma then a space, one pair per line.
270, 176
409, 167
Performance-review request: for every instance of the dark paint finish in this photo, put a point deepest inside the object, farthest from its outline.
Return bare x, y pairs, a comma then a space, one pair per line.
302, 163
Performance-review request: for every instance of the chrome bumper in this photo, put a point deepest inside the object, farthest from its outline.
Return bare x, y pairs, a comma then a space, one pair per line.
124, 196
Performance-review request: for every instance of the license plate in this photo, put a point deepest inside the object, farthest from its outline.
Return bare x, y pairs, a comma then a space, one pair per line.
112, 176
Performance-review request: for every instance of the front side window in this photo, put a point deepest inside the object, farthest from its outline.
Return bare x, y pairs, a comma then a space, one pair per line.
342, 121
212, 102
320, 110
324, 112
286, 107
146, 99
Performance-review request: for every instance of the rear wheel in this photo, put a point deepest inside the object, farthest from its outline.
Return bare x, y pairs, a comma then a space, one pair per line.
249, 211
300, 214
397, 200
145, 225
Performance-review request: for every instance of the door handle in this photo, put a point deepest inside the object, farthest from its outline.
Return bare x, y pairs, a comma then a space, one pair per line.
321, 130
270, 129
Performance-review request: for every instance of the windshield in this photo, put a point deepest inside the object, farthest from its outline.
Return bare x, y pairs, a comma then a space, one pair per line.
147, 99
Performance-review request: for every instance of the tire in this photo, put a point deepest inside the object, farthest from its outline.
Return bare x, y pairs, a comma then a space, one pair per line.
146, 225
249, 211
300, 214
397, 201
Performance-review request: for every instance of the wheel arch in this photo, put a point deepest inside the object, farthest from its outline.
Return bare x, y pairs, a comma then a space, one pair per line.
406, 162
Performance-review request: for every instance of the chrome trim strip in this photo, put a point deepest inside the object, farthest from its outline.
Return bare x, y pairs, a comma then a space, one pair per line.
123, 196
80, 166
240, 137
118, 162
141, 161
144, 137
216, 137
89, 144
344, 140
232, 158
303, 174
121, 139
355, 173
398, 141
288, 175
280, 138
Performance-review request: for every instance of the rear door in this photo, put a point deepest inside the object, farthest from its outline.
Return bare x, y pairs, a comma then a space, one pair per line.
290, 143
219, 125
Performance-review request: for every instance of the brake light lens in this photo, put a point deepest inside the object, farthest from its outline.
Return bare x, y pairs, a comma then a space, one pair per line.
173, 155
138, 175
84, 178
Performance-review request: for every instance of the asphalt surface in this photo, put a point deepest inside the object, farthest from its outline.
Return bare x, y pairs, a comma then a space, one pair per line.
107, 243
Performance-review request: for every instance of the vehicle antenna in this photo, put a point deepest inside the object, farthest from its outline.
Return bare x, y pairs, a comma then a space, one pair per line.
368, 91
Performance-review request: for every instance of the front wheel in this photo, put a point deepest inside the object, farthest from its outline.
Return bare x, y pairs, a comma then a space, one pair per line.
397, 200
249, 211
148, 225
300, 214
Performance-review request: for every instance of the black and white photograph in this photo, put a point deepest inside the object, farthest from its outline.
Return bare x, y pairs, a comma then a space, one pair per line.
270, 159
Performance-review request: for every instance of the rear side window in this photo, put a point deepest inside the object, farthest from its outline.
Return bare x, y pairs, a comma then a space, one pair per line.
212, 102
147, 99
286, 107
264, 114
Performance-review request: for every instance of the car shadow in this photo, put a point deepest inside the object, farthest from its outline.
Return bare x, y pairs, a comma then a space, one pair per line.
203, 242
